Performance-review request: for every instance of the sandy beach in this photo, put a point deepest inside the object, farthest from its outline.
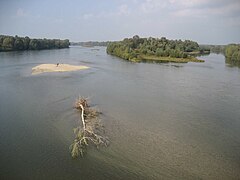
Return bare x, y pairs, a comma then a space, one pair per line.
56, 68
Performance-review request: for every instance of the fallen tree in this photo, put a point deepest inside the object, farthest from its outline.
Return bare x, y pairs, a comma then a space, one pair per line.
89, 130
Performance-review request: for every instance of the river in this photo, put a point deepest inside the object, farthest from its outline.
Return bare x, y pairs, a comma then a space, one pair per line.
164, 121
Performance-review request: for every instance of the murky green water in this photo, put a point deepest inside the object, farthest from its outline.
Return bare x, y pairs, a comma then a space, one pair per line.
165, 121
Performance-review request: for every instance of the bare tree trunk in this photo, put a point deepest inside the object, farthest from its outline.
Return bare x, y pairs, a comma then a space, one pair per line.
87, 133
82, 117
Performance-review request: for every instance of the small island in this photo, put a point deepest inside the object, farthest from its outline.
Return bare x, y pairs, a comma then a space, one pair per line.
138, 49
56, 68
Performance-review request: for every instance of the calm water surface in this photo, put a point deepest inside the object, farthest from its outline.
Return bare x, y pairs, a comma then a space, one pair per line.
165, 121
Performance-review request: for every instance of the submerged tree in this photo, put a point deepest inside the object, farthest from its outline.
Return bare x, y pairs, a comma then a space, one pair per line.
89, 130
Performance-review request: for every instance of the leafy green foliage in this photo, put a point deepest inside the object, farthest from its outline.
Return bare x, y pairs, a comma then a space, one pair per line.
10, 43
232, 52
133, 49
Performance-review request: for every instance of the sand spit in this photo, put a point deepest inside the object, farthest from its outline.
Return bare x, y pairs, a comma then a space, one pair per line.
56, 68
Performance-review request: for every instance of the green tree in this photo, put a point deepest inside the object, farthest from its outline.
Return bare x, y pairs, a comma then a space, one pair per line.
232, 53
57, 43
8, 43
136, 47
34, 44
26, 42
18, 44
1, 42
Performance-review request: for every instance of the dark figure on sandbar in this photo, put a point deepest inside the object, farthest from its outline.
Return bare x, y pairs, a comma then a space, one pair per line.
57, 64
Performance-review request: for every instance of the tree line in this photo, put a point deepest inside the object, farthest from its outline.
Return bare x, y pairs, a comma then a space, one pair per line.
10, 43
218, 49
133, 48
232, 53
90, 43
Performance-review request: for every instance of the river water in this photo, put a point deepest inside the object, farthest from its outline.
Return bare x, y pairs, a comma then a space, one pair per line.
164, 121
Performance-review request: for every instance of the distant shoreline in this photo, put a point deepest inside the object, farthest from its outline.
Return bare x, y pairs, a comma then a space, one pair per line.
16, 43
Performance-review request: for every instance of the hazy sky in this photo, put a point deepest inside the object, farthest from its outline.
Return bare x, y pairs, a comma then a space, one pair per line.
204, 21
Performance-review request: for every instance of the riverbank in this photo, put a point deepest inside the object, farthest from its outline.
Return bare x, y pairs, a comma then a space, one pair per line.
56, 68
169, 59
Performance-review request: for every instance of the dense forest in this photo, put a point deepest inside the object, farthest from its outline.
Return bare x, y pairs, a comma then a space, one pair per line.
90, 43
10, 43
154, 49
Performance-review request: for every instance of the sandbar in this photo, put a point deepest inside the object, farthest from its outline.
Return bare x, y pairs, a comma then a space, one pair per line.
42, 68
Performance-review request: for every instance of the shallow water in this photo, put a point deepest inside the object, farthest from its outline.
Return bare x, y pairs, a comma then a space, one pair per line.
164, 121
